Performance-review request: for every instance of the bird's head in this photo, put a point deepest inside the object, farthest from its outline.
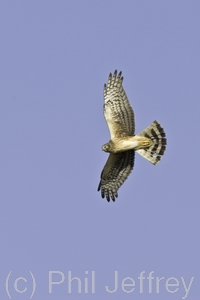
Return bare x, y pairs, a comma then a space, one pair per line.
106, 147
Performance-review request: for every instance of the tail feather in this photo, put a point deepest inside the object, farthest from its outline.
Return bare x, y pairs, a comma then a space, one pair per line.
156, 133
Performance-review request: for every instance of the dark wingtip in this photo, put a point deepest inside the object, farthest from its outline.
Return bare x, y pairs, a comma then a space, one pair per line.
120, 73
99, 186
113, 198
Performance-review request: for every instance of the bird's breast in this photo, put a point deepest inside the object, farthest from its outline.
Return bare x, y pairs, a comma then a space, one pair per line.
130, 143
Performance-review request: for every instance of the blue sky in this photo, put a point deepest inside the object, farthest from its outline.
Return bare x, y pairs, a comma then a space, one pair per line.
55, 57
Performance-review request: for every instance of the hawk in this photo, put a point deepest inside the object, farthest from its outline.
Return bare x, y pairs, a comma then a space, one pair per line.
149, 143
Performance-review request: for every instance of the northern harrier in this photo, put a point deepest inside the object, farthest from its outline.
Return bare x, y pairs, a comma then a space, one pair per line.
149, 143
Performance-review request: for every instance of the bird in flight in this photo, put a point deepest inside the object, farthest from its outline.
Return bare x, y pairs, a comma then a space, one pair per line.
149, 143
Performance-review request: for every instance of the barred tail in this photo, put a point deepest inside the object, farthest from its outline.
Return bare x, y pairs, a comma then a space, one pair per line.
156, 133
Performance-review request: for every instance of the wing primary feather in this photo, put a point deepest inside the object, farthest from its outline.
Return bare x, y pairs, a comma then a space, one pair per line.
117, 109
119, 75
115, 172
99, 187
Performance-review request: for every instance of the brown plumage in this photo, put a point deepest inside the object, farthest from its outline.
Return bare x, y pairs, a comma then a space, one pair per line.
150, 143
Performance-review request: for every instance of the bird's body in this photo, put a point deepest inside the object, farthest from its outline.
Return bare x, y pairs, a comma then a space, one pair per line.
149, 143
122, 144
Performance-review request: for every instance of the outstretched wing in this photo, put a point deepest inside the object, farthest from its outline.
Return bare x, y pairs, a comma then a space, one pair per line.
117, 109
115, 172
